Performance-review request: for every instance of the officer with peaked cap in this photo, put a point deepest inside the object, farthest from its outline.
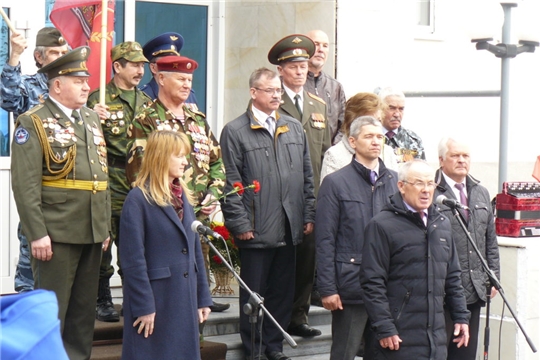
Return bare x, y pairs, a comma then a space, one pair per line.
170, 111
166, 44
20, 93
291, 55
60, 186
123, 100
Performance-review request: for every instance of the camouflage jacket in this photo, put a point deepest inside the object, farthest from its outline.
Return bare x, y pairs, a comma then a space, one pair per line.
20, 93
407, 145
205, 172
121, 116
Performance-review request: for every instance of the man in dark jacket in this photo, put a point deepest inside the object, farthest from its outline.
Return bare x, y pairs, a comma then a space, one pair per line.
454, 158
410, 268
347, 200
271, 148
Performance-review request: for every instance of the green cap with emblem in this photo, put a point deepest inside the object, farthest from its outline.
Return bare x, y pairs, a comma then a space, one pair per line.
71, 64
50, 37
129, 50
294, 47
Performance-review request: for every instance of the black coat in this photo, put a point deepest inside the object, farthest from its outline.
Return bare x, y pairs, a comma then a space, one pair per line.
482, 229
409, 272
346, 202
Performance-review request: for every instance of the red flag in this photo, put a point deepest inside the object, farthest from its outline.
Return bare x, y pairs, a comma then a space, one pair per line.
79, 21
536, 171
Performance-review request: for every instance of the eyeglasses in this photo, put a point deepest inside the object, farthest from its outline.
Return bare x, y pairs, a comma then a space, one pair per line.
271, 91
422, 185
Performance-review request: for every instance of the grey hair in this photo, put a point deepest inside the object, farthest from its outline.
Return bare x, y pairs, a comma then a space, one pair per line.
443, 145
41, 50
259, 73
61, 78
359, 123
389, 91
405, 168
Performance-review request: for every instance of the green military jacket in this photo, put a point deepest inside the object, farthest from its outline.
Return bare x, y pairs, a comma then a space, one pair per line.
115, 128
52, 158
315, 125
205, 172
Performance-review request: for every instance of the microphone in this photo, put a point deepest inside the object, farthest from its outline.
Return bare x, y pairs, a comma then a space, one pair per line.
198, 227
454, 204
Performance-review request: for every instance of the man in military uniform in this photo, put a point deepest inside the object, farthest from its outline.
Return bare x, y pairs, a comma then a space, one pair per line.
59, 181
166, 44
122, 101
205, 174
406, 143
291, 55
19, 94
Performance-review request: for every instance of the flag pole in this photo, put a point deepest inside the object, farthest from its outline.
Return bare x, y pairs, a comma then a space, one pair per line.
103, 57
8, 22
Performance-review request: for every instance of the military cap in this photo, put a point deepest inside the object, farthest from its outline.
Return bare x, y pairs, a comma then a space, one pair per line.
71, 64
129, 50
50, 37
169, 43
177, 64
294, 47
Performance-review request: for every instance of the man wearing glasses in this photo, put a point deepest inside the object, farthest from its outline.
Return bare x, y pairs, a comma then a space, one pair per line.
410, 271
271, 148
407, 144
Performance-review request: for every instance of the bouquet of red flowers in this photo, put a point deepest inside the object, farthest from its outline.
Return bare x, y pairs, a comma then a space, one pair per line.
237, 189
227, 249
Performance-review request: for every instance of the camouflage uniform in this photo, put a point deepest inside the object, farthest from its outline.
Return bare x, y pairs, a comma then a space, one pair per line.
205, 172
407, 145
19, 93
122, 111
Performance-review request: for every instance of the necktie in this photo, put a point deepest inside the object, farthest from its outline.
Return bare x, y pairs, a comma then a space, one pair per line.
422, 216
373, 177
463, 199
270, 125
390, 134
297, 104
76, 117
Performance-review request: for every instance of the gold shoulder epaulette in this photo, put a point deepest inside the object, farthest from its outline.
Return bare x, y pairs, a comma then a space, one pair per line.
33, 110
313, 96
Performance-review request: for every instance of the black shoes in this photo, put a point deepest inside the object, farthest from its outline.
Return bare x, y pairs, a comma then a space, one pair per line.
217, 307
304, 330
104, 308
277, 355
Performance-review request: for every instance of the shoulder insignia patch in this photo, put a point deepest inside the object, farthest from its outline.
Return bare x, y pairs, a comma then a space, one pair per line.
21, 135
316, 98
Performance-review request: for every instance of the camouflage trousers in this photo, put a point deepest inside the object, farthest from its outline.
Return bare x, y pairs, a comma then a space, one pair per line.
24, 279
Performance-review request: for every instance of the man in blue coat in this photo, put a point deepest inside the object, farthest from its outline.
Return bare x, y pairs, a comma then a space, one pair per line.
347, 200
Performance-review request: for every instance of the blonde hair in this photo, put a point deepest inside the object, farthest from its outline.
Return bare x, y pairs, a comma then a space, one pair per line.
153, 178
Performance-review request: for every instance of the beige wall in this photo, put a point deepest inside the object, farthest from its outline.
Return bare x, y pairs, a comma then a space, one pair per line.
253, 27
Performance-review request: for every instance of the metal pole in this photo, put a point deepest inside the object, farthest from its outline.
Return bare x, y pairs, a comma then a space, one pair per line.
505, 97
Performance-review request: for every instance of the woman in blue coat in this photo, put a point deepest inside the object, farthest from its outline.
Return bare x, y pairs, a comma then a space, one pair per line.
165, 288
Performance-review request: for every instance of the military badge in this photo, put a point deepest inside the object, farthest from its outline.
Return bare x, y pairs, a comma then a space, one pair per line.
21, 135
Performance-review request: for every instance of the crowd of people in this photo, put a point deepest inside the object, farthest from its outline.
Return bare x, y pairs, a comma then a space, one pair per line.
344, 218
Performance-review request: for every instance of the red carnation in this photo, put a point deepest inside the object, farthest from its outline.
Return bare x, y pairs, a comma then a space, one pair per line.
222, 230
257, 187
238, 187
217, 260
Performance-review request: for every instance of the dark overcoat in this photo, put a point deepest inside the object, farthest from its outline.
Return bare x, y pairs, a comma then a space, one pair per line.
163, 273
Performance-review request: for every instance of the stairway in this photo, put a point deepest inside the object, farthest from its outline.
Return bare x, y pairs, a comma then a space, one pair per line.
220, 328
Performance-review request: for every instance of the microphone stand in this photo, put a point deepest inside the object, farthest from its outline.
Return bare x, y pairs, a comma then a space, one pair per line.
254, 305
493, 281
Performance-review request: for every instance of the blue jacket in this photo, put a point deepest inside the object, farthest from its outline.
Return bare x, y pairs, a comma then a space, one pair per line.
21, 93
164, 273
346, 202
